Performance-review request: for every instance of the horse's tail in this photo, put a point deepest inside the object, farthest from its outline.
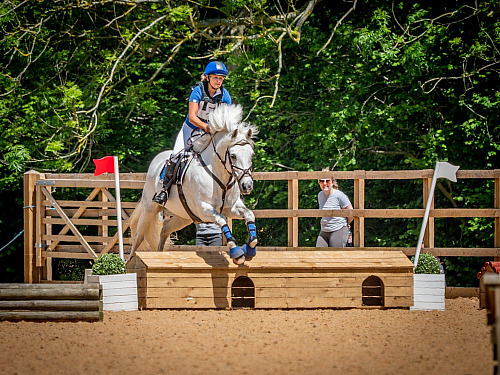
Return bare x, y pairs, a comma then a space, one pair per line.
144, 224
134, 218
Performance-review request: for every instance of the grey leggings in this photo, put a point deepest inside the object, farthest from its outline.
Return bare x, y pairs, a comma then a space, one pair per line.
337, 238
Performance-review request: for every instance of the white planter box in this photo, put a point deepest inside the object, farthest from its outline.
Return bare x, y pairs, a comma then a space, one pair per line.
428, 292
119, 292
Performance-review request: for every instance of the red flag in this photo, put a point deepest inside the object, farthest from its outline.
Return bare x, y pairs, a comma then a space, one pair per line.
104, 165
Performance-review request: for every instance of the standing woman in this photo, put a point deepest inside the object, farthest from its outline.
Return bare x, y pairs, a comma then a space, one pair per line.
334, 230
204, 98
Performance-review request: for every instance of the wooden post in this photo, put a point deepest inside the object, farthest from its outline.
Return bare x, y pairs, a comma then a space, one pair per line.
293, 204
497, 206
103, 229
31, 273
40, 229
359, 203
429, 230
48, 231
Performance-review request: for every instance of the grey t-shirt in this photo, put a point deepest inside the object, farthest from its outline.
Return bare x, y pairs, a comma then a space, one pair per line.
335, 201
207, 228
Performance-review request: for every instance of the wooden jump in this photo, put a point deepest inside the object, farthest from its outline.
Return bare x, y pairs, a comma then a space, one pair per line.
50, 302
287, 279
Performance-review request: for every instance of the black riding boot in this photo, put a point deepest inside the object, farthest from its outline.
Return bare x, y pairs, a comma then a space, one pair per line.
168, 177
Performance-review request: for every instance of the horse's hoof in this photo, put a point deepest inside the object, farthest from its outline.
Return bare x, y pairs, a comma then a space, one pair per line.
236, 252
248, 259
240, 260
250, 251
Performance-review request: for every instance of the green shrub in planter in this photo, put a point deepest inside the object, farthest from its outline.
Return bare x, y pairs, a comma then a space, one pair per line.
427, 264
108, 264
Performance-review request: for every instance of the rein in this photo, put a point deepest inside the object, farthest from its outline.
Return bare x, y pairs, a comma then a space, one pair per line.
245, 172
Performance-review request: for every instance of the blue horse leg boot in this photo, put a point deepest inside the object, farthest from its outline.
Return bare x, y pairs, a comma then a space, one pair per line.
252, 234
235, 251
250, 252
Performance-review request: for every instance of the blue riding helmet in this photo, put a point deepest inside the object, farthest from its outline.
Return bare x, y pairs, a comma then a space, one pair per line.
216, 67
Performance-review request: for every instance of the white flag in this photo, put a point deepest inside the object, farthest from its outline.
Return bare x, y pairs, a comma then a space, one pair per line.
446, 170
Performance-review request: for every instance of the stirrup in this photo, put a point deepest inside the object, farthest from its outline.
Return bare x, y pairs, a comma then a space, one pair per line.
160, 197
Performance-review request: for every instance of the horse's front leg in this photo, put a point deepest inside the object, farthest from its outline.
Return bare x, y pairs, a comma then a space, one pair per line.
250, 248
236, 253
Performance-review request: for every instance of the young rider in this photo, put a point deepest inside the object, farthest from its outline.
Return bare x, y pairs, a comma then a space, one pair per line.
204, 98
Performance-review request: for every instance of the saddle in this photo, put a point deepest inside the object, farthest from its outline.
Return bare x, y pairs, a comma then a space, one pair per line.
175, 170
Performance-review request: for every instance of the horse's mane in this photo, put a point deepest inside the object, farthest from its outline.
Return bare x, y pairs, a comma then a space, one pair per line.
226, 119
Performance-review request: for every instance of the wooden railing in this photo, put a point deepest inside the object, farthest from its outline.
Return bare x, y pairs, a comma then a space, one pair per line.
43, 211
360, 213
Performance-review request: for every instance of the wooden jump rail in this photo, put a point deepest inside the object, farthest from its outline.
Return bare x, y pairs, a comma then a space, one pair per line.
51, 302
43, 213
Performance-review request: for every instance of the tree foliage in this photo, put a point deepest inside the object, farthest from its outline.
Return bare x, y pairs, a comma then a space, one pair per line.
349, 85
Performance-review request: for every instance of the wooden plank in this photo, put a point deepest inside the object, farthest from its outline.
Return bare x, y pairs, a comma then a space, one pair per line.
51, 305
351, 175
313, 253
461, 292
72, 248
97, 222
77, 238
398, 301
187, 303
108, 184
189, 292
63, 255
308, 302
269, 292
378, 213
285, 302
89, 212
317, 257
438, 251
367, 213
267, 280
90, 203
47, 291
89, 316
82, 177
278, 263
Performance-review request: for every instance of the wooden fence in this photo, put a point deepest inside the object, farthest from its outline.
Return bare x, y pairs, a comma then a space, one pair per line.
84, 229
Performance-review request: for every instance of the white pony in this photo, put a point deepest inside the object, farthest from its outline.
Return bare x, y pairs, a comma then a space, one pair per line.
218, 173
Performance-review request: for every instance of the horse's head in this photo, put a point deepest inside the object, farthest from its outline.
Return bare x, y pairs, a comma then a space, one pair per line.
236, 146
240, 158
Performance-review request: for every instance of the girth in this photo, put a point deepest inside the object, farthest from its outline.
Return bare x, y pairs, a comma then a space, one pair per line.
179, 178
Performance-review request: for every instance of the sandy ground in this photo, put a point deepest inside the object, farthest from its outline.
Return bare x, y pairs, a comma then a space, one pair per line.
356, 341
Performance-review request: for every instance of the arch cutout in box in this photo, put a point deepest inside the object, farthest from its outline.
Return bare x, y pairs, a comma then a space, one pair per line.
281, 279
